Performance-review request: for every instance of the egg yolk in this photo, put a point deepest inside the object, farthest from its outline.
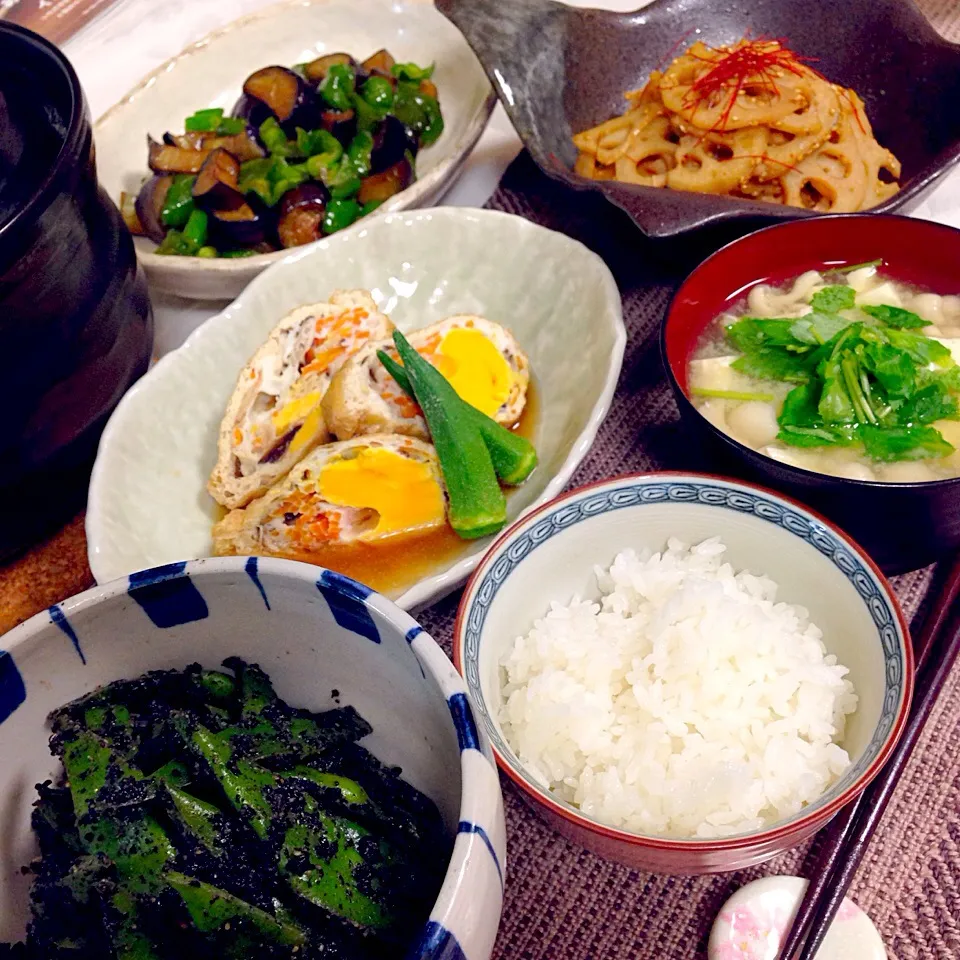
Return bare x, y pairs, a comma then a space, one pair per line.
475, 368
297, 409
405, 493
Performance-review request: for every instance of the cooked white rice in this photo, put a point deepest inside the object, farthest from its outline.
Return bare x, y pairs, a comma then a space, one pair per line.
687, 702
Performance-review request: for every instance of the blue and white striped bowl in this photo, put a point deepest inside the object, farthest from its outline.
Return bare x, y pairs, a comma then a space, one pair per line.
314, 632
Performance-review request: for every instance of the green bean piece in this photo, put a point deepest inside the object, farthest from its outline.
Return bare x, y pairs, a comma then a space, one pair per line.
213, 909
326, 879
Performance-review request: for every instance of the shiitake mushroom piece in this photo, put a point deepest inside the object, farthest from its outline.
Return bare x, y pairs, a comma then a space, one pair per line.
164, 158
316, 70
392, 140
379, 187
278, 89
149, 205
379, 64
301, 215
245, 226
341, 123
216, 184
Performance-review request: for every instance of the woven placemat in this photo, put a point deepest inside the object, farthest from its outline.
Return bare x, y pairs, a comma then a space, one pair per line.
563, 903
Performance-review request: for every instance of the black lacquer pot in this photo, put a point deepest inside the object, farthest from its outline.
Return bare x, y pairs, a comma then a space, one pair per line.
76, 328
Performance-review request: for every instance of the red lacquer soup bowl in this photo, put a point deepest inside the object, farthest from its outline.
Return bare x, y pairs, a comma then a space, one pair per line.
903, 526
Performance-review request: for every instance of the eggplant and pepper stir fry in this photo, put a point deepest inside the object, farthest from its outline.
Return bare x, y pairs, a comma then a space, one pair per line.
306, 152
203, 816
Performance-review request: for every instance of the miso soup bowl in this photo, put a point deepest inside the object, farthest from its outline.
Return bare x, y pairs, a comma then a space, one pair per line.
550, 556
903, 526
323, 639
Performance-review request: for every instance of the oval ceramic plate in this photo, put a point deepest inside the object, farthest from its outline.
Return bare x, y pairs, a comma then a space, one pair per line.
211, 74
148, 502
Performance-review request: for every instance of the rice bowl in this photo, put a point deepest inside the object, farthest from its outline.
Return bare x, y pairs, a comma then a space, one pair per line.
552, 555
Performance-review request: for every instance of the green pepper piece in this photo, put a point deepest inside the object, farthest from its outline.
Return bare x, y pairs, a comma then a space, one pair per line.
337, 86
195, 232
378, 92
420, 112
204, 121
341, 179
328, 880
514, 457
275, 140
178, 203
213, 909
231, 126
236, 254
477, 504
312, 143
411, 72
408, 108
255, 178
360, 151
339, 215
173, 245
368, 116
433, 120
370, 207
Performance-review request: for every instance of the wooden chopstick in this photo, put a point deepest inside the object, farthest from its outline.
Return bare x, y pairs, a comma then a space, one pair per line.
854, 826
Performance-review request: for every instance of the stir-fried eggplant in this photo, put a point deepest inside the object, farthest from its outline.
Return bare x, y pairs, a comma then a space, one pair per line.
243, 146
246, 226
301, 215
391, 144
163, 158
202, 815
280, 90
216, 185
380, 64
341, 123
382, 186
149, 205
316, 70
306, 153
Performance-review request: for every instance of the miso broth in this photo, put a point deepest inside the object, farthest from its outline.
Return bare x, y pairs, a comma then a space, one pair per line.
848, 373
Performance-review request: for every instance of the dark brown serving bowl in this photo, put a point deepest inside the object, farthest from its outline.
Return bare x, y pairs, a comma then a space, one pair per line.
559, 70
76, 329
903, 526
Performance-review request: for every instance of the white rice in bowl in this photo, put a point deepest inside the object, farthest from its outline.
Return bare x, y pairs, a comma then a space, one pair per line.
685, 703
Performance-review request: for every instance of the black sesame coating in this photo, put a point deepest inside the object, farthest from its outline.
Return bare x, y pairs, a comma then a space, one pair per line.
319, 814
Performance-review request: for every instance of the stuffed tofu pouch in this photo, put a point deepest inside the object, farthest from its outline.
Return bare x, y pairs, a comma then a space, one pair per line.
481, 359
274, 418
358, 491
